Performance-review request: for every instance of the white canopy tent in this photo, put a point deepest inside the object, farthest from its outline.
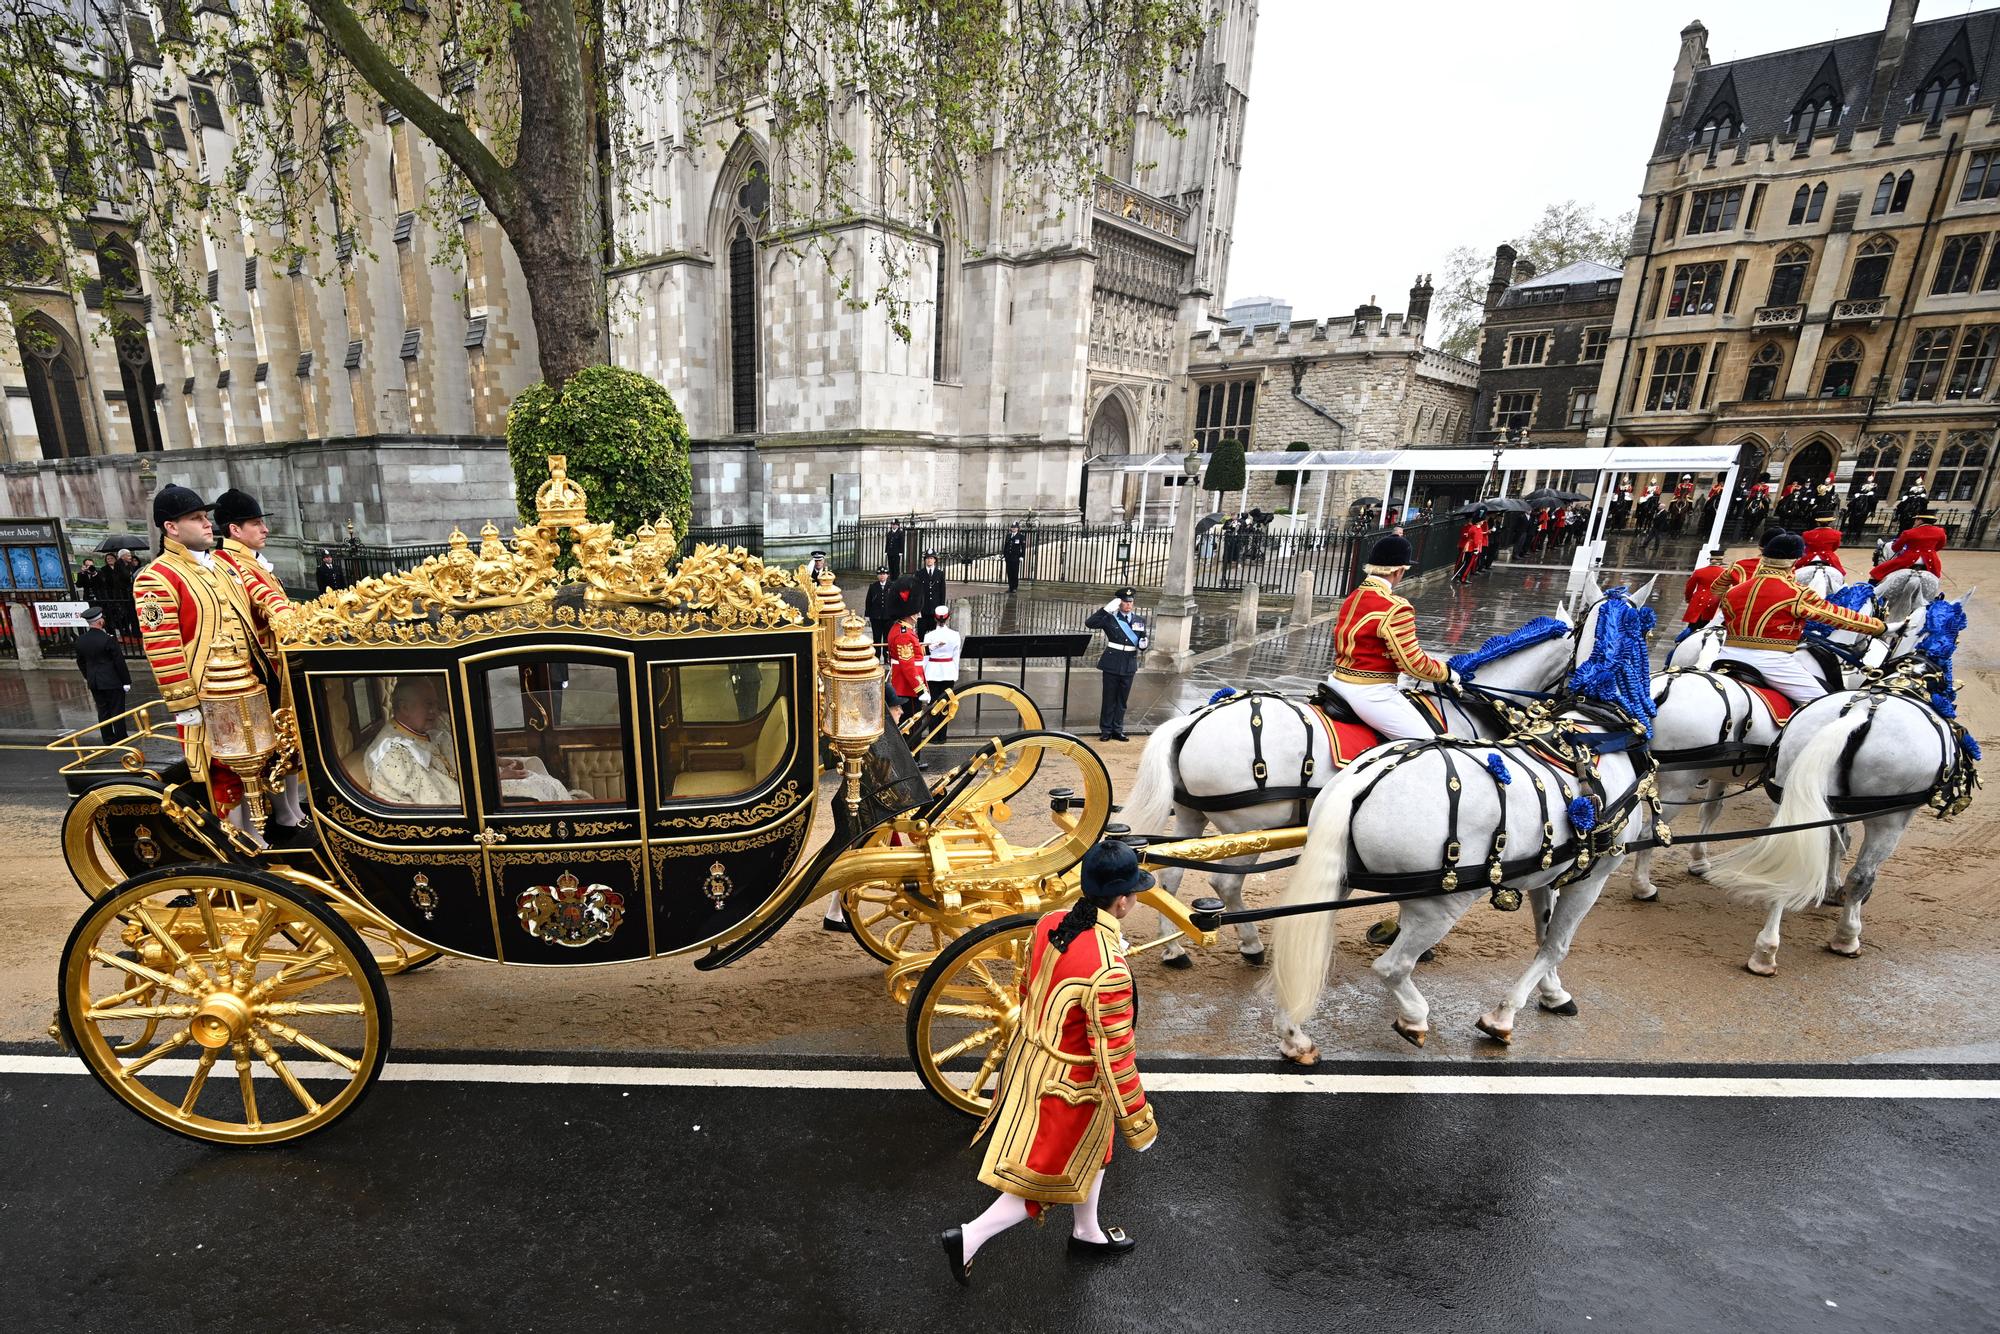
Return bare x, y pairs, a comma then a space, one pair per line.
1407, 465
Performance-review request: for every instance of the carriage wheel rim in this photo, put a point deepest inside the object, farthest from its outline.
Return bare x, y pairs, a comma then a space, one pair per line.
962, 1061
263, 1034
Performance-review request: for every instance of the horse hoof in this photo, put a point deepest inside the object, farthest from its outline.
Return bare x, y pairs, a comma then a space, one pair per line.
1698, 870
1846, 949
1494, 1031
1567, 1007
1762, 966
1646, 894
1309, 1056
1384, 931
1414, 1034
1255, 958
1177, 961
1427, 956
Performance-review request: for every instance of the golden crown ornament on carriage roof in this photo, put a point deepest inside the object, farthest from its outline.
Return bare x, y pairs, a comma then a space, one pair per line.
466, 593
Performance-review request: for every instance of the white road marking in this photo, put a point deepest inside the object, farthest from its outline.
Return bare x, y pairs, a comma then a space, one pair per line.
1161, 1081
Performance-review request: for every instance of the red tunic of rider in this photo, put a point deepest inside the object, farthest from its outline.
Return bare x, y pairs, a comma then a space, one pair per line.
1771, 611
1375, 637
1918, 545
1822, 544
1472, 537
1701, 596
1735, 574
906, 661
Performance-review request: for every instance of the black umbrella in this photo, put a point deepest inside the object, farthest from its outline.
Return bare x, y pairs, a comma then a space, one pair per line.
1573, 496
124, 542
1498, 503
1209, 521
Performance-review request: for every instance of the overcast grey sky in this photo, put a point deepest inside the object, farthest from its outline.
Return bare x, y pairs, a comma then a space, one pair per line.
1380, 135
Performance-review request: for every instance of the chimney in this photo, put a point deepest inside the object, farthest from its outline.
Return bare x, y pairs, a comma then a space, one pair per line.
1524, 269
1420, 297
1889, 59
1693, 59
1503, 271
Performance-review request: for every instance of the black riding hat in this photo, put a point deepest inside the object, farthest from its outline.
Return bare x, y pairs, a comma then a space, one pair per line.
1110, 869
176, 502
1785, 546
1391, 550
234, 506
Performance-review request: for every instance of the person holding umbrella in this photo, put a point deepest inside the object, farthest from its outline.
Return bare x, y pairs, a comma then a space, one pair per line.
1471, 541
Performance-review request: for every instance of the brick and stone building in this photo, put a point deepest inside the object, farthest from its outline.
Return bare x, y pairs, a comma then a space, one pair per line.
1541, 350
371, 387
1359, 382
1816, 272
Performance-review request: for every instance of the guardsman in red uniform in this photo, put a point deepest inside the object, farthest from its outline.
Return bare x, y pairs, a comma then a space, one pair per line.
183, 601
1374, 638
1915, 548
1760, 493
242, 523
1823, 542
908, 690
1471, 541
1072, 1074
1684, 489
1764, 619
1702, 600
1745, 568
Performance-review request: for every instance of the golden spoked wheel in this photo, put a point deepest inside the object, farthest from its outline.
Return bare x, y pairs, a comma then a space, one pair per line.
965, 1010
394, 953
892, 925
93, 861
982, 710
224, 1003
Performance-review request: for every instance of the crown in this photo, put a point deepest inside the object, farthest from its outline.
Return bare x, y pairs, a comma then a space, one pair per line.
567, 881
559, 501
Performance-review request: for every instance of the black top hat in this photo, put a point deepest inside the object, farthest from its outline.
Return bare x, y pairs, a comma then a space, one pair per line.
1785, 546
234, 506
1390, 550
1110, 869
176, 502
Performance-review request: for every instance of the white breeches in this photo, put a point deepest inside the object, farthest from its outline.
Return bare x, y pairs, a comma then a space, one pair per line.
1792, 675
1384, 707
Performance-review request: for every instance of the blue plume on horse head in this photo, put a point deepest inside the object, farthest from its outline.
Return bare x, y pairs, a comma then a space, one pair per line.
1858, 596
1939, 643
1617, 672
1538, 631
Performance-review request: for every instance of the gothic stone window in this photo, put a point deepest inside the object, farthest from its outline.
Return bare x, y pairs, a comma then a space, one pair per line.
1714, 210
1882, 454
1674, 371
55, 393
1973, 370
1958, 264
1225, 410
1594, 343
1958, 470
1528, 349
1892, 193
1788, 275
752, 206
1807, 203
1843, 366
1515, 412
1871, 269
1925, 370
1947, 88
1582, 403
1697, 287
1982, 177
1761, 384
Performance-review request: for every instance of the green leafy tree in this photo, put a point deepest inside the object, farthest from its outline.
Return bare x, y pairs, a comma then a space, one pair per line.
1226, 470
1564, 234
625, 440
551, 114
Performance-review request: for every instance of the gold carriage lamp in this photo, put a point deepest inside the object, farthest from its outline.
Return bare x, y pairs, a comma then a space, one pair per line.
851, 702
240, 734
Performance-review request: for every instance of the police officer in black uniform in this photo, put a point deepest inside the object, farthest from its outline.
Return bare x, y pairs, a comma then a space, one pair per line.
1125, 639
876, 609
892, 549
1013, 551
102, 663
930, 593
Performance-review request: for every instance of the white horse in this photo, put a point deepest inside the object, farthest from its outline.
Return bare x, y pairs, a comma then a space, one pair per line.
1195, 768
1492, 815
1883, 753
1706, 713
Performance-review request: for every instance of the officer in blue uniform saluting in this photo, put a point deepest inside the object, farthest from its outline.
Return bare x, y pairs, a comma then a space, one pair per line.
1124, 640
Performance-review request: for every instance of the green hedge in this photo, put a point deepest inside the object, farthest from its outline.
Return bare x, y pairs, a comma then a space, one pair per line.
626, 442
1225, 467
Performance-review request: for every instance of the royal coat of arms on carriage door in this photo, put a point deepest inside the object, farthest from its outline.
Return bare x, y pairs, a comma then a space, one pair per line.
570, 912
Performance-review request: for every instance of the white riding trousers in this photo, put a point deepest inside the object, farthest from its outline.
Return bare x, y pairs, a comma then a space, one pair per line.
1384, 707
1793, 675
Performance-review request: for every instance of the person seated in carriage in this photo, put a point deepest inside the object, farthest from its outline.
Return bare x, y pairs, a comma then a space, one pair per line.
1823, 540
1374, 639
1915, 548
412, 762
1764, 620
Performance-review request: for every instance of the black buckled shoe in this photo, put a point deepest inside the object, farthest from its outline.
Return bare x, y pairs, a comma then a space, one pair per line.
953, 1241
1115, 1243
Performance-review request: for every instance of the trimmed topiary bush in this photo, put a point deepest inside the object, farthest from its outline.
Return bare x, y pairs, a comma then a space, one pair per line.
626, 442
1225, 467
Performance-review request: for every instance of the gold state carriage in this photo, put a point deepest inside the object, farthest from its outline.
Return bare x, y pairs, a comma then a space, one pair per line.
543, 759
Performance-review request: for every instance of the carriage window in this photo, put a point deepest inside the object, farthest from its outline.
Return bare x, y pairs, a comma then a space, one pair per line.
558, 733
725, 727
392, 737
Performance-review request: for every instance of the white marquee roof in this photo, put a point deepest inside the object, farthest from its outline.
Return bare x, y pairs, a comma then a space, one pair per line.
1630, 458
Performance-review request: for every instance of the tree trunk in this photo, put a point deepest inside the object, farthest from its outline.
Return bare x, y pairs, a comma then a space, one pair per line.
556, 221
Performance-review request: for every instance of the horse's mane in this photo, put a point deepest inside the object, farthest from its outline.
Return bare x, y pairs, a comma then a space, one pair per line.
1617, 671
1538, 631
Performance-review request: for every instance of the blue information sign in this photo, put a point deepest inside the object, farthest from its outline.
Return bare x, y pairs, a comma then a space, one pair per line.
22, 560
50, 561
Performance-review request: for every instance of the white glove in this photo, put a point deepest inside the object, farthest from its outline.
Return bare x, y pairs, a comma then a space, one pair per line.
188, 717
924, 697
128, 687
1112, 606
1147, 1145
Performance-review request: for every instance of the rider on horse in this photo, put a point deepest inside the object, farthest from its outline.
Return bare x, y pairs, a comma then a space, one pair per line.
1374, 638
1916, 547
1764, 619
1823, 542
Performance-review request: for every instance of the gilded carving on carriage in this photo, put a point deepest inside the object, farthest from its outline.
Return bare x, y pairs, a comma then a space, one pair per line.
571, 913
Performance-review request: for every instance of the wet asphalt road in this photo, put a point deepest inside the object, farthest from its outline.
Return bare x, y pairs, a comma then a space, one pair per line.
484, 1206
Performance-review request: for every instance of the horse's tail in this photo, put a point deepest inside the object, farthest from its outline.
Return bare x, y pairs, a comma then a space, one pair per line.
1791, 870
1150, 804
1302, 946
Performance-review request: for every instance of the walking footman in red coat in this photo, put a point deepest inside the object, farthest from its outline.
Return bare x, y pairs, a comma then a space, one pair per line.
1071, 1077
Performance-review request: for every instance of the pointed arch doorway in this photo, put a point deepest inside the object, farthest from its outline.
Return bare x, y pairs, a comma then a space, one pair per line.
1811, 465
